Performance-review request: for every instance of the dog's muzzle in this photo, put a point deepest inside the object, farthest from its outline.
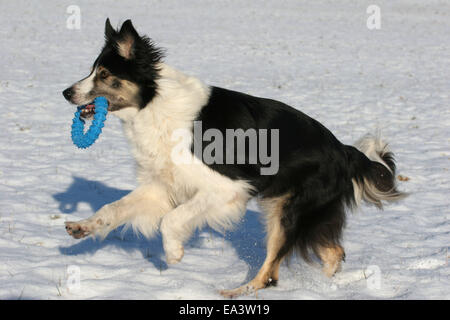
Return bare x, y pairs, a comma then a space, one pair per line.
68, 93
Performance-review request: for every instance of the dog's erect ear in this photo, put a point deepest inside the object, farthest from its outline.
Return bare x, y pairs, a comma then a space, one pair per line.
128, 37
128, 29
109, 30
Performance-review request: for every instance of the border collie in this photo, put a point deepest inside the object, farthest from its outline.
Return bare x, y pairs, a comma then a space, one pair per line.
304, 199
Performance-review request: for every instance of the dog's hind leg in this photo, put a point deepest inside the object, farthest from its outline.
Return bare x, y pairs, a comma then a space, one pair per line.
143, 209
268, 274
331, 257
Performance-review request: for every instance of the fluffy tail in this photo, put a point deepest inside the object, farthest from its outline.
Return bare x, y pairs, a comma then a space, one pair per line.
315, 221
373, 175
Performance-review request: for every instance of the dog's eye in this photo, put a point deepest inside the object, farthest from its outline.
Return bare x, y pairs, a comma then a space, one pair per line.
116, 84
104, 74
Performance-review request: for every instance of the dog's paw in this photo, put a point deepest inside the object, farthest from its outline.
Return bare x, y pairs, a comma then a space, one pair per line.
175, 254
174, 250
77, 230
233, 293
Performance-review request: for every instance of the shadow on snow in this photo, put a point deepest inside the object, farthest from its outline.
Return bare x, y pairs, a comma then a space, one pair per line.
247, 238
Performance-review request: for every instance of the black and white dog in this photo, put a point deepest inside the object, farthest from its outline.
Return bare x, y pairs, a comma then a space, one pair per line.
304, 186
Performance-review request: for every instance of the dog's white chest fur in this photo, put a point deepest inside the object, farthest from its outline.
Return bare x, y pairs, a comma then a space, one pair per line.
151, 141
165, 126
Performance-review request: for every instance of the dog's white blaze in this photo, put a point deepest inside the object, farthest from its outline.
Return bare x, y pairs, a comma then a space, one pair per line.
83, 87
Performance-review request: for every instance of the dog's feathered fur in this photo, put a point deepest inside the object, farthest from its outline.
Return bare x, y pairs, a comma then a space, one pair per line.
304, 202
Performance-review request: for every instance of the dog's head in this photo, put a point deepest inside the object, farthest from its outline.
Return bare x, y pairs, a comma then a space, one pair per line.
125, 72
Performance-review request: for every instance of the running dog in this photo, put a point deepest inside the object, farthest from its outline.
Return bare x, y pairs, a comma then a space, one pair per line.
304, 198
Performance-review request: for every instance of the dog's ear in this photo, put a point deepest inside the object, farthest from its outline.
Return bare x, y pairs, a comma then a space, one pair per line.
110, 33
128, 37
128, 29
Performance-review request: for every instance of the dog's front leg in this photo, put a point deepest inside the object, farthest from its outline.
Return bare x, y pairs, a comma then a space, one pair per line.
143, 208
178, 225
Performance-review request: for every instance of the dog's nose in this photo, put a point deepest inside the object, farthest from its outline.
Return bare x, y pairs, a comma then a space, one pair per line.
68, 93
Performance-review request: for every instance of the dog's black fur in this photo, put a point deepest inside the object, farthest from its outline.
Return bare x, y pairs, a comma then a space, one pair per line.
315, 169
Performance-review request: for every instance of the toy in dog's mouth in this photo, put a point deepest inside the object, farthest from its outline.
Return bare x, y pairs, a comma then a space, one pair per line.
88, 111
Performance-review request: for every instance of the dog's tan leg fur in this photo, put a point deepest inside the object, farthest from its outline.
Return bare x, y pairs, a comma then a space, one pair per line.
331, 258
269, 272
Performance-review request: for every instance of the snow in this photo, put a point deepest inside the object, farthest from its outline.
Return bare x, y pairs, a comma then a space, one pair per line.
318, 56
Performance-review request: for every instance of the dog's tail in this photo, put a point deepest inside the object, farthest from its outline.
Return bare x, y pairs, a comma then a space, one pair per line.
373, 172
317, 225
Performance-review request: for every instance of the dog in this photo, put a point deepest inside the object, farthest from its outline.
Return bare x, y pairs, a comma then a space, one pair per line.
303, 198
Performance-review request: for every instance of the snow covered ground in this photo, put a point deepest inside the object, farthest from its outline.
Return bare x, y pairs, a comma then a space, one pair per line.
318, 56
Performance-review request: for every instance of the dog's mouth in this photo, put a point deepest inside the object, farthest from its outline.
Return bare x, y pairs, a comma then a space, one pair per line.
88, 111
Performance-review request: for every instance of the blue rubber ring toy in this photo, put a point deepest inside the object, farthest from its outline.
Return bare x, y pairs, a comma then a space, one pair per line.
85, 140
